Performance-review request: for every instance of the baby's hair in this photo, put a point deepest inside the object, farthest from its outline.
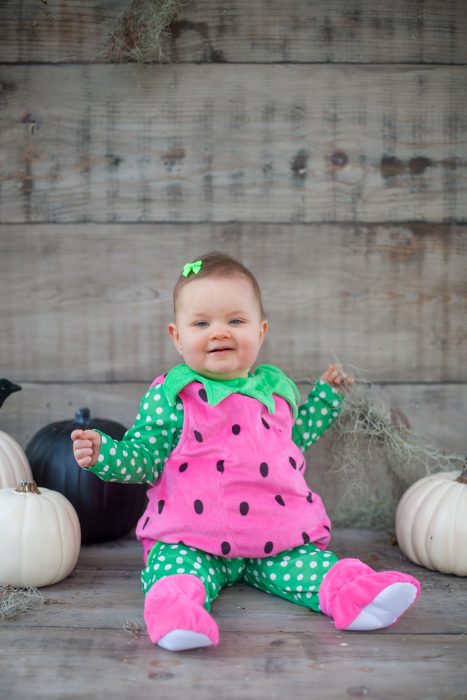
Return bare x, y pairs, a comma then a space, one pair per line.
215, 264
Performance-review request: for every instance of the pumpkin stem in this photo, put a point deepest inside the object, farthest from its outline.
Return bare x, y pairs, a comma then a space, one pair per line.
462, 478
82, 417
27, 487
7, 388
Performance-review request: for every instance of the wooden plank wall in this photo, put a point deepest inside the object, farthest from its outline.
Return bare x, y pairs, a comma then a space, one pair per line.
325, 143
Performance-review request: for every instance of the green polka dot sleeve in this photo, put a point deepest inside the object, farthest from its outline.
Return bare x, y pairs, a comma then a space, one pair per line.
140, 456
315, 416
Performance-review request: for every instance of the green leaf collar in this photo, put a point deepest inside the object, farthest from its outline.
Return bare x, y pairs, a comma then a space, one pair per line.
262, 384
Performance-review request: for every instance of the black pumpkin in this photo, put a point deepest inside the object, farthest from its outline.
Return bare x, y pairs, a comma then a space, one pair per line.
106, 510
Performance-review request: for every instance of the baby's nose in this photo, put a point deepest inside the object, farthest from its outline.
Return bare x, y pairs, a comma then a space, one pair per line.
220, 330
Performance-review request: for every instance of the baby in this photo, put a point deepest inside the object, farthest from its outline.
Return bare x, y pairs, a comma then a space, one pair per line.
222, 447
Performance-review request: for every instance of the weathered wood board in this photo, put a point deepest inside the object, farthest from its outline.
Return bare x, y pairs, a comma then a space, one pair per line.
91, 303
88, 640
436, 410
239, 31
258, 143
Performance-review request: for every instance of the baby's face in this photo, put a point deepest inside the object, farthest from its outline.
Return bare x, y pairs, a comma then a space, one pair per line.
218, 328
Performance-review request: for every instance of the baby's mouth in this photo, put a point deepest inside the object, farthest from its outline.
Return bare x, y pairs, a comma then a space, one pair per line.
219, 350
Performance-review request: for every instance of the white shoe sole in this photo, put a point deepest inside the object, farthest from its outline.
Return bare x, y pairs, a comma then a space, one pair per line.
385, 608
181, 640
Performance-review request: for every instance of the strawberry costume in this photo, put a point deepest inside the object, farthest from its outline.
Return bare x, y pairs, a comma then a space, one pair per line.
228, 502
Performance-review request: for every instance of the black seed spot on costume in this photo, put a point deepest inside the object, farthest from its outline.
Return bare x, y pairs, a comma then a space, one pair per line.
220, 465
225, 547
203, 395
309, 498
183, 467
160, 506
244, 508
293, 462
306, 538
265, 423
145, 523
280, 500
301, 467
268, 547
198, 507
236, 429
198, 436
263, 469
327, 528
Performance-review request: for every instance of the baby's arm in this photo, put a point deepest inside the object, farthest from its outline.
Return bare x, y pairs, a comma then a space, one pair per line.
144, 449
321, 408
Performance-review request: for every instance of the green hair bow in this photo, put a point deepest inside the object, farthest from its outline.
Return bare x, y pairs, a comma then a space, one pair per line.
193, 267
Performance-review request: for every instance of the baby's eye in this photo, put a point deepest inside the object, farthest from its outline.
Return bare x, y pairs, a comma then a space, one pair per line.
201, 324
237, 321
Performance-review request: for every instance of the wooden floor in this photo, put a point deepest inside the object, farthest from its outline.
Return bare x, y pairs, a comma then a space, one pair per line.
88, 640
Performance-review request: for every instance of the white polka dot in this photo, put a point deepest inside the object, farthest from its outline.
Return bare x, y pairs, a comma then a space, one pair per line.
273, 577
286, 577
324, 411
167, 567
299, 421
113, 451
313, 565
125, 454
319, 423
306, 436
127, 478
152, 440
100, 458
104, 439
106, 468
123, 471
299, 577
312, 409
179, 406
146, 406
299, 588
197, 565
326, 563
157, 397
283, 563
335, 403
299, 563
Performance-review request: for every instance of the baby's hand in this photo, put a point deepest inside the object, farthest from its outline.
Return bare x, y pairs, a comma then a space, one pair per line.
336, 377
86, 447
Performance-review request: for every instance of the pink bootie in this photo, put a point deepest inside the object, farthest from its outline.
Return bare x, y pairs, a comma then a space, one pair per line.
360, 599
175, 617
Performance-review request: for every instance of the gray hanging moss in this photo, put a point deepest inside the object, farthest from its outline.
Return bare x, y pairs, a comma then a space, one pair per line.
14, 601
375, 456
143, 29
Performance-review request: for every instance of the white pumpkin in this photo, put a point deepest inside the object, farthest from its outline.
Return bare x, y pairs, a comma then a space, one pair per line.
431, 523
14, 465
40, 536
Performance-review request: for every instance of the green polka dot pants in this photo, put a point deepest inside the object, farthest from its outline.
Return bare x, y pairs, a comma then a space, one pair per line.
295, 574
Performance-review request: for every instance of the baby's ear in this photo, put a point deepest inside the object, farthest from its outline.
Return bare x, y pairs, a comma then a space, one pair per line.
174, 336
264, 329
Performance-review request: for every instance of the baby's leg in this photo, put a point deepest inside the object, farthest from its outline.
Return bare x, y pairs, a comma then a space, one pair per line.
349, 591
295, 574
180, 583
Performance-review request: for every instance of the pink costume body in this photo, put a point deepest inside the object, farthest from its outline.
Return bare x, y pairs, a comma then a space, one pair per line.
234, 484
